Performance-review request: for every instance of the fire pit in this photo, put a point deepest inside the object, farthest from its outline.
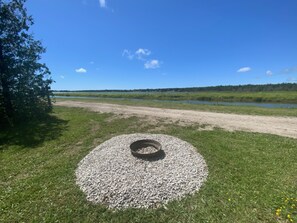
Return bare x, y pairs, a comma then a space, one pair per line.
123, 181
146, 148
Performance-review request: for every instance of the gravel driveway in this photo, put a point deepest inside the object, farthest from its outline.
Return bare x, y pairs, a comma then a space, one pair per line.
283, 126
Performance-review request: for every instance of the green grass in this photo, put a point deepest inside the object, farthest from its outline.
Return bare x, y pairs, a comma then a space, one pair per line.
250, 175
249, 110
270, 96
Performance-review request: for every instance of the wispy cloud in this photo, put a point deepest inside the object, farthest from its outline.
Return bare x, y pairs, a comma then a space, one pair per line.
269, 73
81, 70
92, 62
289, 70
128, 54
244, 69
62, 77
152, 64
285, 71
102, 3
141, 53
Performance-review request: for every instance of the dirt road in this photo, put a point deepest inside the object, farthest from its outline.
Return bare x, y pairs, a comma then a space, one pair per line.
283, 126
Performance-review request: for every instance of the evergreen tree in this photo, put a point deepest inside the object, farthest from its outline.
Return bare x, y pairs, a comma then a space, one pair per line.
24, 81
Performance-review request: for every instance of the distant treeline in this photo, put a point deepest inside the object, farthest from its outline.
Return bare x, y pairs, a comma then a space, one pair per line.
220, 88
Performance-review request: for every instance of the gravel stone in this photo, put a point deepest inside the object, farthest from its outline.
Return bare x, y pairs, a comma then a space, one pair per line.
112, 176
147, 150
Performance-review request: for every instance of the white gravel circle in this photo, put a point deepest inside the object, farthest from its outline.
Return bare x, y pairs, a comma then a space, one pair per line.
111, 175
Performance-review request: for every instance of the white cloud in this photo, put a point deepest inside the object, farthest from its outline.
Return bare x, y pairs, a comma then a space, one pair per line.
243, 69
102, 3
269, 73
81, 70
62, 77
128, 54
140, 53
152, 64
92, 62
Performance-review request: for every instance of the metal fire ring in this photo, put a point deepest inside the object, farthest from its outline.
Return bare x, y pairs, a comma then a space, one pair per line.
139, 144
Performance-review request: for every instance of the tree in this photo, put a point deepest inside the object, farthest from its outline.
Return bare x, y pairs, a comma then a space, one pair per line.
24, 81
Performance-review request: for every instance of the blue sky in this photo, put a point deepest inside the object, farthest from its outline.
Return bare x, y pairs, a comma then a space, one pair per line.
130, 44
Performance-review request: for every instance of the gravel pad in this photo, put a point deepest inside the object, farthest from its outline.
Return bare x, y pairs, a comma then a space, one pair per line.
111, 175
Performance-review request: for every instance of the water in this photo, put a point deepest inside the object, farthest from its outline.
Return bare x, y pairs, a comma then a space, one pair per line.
254, 104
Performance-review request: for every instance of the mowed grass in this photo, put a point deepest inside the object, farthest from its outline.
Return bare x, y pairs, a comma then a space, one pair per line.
269, 96
251, 176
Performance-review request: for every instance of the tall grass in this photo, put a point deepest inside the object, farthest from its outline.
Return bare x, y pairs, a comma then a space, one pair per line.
277, 97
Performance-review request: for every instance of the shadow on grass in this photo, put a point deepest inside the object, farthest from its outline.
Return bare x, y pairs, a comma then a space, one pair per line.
32, 133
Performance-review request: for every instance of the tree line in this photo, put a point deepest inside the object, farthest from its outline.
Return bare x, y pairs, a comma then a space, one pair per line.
220, 88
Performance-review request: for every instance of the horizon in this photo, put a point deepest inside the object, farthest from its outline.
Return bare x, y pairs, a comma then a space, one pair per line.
112, 44
155, 89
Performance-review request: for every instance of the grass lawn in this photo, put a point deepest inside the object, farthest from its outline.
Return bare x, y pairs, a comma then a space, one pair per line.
252, 177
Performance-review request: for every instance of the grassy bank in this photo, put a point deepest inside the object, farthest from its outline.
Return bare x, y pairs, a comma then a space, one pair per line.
252, 177
273, 96
248, 110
